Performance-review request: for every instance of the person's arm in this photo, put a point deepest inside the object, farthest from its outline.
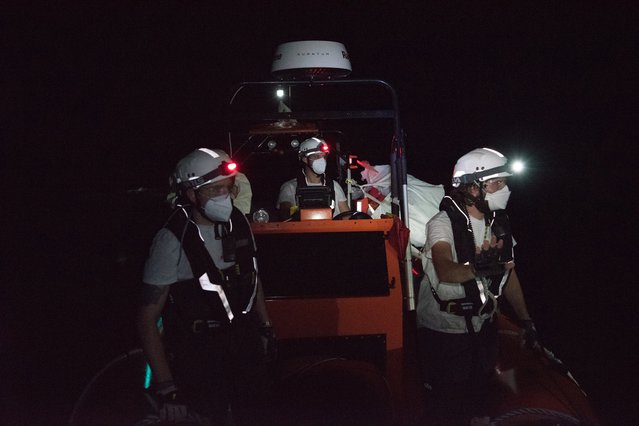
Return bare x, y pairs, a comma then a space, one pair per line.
260, 304
267, 336
340, 198
515, 296
285, 210
286, 199
343, 206
153, 300
446, 268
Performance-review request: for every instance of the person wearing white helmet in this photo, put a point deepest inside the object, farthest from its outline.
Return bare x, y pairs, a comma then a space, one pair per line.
312, 155
488, 168
468, 263
201, 278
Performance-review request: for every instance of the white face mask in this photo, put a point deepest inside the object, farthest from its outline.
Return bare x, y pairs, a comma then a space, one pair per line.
498, 199
218, 209
319, 166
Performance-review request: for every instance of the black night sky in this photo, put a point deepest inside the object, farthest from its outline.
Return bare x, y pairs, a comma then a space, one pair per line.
101, 98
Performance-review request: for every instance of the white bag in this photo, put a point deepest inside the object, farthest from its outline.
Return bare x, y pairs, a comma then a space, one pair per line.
423, 201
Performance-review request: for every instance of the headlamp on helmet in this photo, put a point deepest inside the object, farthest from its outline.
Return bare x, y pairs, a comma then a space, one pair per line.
480, 165
311, 146
204, 166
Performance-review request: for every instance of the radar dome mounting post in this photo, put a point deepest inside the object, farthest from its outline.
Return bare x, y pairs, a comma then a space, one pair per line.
311, 60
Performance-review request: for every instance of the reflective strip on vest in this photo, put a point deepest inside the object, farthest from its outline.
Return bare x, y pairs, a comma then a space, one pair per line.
483, 287
207, 285
250, 305
482, 290
504, 278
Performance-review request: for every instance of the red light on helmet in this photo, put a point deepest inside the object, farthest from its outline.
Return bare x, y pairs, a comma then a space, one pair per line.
324, 148
226, 168
229, 167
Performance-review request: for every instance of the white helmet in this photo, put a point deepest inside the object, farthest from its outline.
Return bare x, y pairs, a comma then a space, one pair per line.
480, 165
204, 166
312, 146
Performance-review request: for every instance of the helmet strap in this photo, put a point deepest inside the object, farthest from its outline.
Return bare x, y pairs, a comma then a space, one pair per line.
463, 194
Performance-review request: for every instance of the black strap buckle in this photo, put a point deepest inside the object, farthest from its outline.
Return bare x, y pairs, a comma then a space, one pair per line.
199, 325
459, 308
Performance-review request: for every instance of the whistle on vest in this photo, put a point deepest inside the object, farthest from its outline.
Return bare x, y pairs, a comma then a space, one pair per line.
228, 248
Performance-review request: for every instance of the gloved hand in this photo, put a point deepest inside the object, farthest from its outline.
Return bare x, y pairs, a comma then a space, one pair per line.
529, 338
169, 404
269, 342
487, 262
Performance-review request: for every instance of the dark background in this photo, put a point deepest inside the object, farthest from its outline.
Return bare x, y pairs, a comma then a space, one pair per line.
100, 99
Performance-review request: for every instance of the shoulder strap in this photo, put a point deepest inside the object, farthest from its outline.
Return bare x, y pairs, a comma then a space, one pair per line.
185, 230
462, 230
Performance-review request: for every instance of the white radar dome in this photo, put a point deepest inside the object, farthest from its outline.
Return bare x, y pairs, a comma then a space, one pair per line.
311, 59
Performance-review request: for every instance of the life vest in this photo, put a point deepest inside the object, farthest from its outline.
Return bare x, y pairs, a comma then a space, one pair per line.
480, 294
213, 296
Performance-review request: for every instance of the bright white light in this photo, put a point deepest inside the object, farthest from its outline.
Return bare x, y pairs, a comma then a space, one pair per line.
271, 145
280, 93
518, 166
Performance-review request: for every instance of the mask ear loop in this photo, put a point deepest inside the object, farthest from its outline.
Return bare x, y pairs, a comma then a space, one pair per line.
471, 199
479, 201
